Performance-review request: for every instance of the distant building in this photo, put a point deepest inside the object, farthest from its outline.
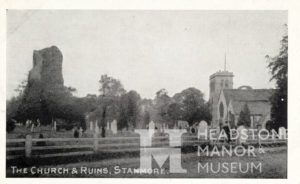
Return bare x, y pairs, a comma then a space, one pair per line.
226, 103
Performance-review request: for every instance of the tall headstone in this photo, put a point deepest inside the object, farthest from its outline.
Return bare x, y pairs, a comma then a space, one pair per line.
54, 125
151, 128
91, 125
32, 127
27, 123
96, 127
202, 129
241, 130
114, 127
107, 125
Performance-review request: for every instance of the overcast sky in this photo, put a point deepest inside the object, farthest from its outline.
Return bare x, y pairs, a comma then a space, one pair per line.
146, 50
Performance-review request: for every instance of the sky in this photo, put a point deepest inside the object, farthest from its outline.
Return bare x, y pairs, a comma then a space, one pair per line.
146, 50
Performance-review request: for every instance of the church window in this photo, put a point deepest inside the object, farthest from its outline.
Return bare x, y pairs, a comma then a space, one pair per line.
221, 110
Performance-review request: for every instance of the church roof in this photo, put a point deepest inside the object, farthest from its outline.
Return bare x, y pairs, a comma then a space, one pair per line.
248, 94
258, 100
255, 107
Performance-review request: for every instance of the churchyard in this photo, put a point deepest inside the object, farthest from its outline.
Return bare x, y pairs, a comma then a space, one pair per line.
273, 160
119, 152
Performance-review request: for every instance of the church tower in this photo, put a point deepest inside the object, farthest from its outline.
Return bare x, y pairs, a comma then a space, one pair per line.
217, 82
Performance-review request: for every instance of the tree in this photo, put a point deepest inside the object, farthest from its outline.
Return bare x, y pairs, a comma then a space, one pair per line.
110, 90
31, 103
90, 102
133, 107
278, 66
146, 119
110, 86
161, 105
129, 110
175, 112
12, 106
21, 87
193, 106
244, 118
145, 110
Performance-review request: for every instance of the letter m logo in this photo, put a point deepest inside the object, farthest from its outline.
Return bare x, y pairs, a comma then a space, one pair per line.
161, 154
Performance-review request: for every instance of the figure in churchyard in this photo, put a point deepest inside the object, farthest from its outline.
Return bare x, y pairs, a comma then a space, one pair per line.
76, 133
103, 132
227, 131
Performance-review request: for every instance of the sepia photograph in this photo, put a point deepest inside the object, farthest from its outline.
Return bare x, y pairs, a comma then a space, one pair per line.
146, 93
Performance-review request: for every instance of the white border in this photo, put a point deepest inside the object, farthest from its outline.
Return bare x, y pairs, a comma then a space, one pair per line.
293, 7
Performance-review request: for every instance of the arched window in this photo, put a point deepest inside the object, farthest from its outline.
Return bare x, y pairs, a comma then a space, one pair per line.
221, 109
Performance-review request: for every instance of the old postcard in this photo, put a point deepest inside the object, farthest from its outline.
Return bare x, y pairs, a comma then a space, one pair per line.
135, 93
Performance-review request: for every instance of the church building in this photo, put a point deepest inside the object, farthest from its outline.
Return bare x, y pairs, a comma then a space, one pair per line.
226, 102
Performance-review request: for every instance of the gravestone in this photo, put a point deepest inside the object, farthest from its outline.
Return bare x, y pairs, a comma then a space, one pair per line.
282, 133
32, 127
91, 125
202, 129
241, 130
151, 128
114, 127
54, 125
27, 123
107, 125
96, 127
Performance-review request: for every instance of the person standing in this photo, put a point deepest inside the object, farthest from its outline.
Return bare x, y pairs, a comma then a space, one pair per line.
227, 131
76, 133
